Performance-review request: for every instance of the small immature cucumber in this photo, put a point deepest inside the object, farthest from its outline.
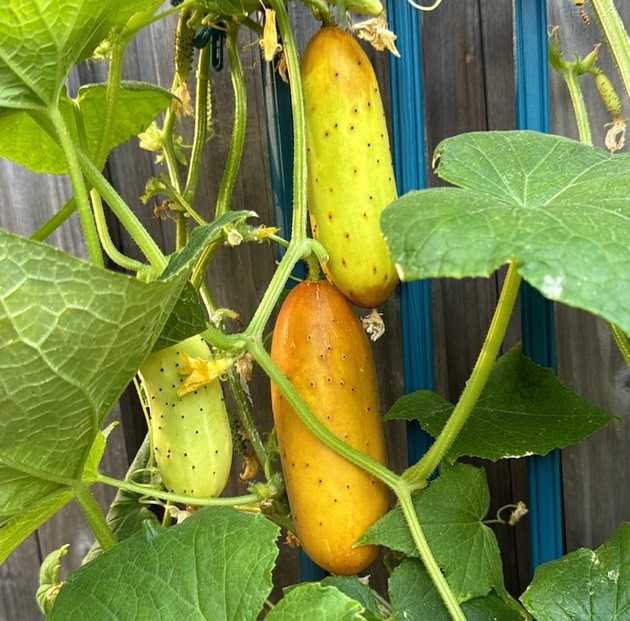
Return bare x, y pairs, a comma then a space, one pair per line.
191, 435
351, 179
320, 345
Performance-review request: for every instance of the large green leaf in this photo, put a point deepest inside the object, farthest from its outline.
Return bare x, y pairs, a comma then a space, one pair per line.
358, 589
414, 598
560, 208
216, 565
25, 141
18, 528
315, 602
71, 338
523, 410
40, 41
138, 104
450, 512
586, 585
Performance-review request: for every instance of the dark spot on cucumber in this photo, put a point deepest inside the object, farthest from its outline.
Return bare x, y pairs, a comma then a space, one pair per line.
347, 235
334, 500
347, 486
320, 481
329, 380
196, 432
309, 338
371, 197
326, 133
336, 125
311, 384
343, 262
185, 454
365, 214
216, 452
330, 216
369, 145
351, 128
161, 370
355, 110
336, 74
355, 170
342, 383
374, 269
193, 466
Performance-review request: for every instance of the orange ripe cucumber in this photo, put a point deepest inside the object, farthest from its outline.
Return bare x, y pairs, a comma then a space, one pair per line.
351, 179
320, 345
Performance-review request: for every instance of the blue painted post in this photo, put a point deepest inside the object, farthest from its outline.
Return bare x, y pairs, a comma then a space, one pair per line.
408, 145
280, 143
544, 473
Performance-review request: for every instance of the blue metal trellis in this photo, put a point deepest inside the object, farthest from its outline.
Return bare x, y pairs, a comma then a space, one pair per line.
408, 145
544, 473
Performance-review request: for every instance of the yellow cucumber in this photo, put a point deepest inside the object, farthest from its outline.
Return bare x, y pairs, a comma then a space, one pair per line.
192, 441
320, 345
350, 174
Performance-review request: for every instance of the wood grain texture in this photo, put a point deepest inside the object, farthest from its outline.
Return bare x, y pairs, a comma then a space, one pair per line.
595, 473
469, 80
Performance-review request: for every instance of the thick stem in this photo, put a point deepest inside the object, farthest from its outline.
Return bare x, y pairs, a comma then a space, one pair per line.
168, 148
88, 226
143, 490
50, 226
433, 569
244, 413
420, 472
579, 106
293, 254
201, 124
320, 431
299, 125
121, 210
237, 140
95, 518
616, 36
112, 92
107, 243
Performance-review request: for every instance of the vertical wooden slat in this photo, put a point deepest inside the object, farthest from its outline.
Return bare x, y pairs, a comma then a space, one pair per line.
594, 471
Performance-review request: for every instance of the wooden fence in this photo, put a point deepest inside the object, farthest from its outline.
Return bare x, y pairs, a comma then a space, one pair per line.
469, 80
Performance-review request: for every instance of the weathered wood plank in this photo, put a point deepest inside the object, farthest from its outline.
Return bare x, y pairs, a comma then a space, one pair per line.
595, 471
470, 87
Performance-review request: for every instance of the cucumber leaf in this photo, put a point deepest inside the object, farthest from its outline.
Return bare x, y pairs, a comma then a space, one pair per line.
523, 410
585, 585
39, 43
359, 590
561, 209
72, 336
217, 564
18, 528
315, 602
450, 512
35, 149
414, 598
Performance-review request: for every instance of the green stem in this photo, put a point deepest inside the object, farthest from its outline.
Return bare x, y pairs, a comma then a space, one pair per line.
579, 106
112, 92
293, 254
244, 413
78, 184
107, 243
299, 132
95, 518
143, 490
183, 202
50, 226
420, 472
621, 340
433, 569
320, 431
201, 125
617, 37
121, 210
168, 148
237, 141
